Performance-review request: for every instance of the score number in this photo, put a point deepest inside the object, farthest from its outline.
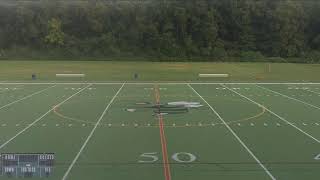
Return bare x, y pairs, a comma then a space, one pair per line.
46, 157
181, 157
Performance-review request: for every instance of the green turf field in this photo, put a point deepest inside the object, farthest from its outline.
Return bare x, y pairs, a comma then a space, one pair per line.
243, 131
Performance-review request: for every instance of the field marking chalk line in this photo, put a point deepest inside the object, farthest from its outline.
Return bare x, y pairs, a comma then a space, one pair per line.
273, 113
164, 83
166, 164
45, 114
26, 97
235, 135
90, 135
275, 92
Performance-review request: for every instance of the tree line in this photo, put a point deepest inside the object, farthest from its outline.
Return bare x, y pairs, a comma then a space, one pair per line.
191, 30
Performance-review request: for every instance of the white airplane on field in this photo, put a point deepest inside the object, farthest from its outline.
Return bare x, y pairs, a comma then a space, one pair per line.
186, 104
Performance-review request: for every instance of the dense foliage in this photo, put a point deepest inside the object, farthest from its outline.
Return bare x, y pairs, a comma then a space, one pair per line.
213, 30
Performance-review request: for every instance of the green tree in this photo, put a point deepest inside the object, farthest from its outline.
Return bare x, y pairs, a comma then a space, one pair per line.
55, 34
289, 27
246, 35
180, 28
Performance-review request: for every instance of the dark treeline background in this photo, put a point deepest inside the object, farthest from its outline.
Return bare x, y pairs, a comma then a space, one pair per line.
197, 30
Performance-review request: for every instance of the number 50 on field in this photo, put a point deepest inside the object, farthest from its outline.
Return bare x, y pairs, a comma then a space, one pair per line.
181, 157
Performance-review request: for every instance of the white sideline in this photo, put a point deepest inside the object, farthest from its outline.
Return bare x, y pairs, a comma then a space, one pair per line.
26, 128
305, 103
26, 97
90, 135
164, 83
235, 135
273, 113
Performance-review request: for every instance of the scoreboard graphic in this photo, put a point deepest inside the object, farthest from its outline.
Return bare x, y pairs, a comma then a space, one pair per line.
26, 165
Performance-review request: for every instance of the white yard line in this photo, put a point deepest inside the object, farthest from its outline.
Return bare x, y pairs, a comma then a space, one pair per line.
273, 113
235, 135
26, 97
305, 103
315, 92
312, 91
90, 135
4, 90
45, 114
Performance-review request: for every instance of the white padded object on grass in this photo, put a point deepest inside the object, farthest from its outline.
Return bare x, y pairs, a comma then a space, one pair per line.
214, 75
70, 75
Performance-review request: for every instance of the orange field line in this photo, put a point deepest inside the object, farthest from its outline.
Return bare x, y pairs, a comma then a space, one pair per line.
166, 165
